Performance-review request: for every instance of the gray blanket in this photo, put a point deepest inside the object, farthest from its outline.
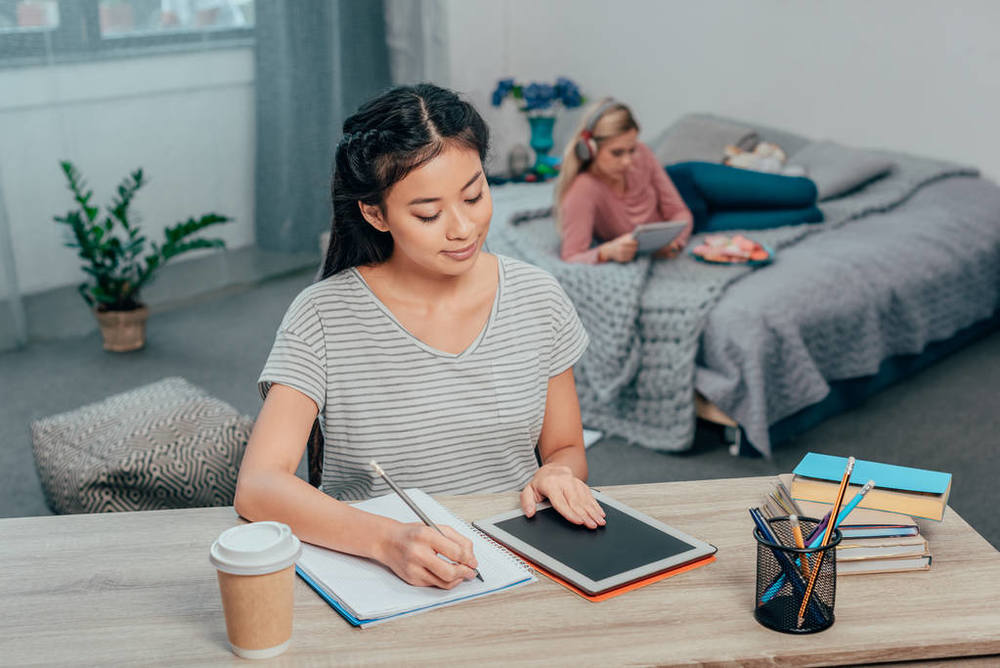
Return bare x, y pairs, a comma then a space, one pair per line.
645, 318
838, 304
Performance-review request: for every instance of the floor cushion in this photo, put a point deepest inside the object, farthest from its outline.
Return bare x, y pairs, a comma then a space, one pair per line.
163, 445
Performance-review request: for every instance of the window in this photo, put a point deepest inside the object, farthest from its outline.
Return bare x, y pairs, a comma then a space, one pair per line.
22, 16
43, 31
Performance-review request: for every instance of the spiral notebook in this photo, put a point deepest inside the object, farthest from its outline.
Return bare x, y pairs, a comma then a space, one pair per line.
365, 592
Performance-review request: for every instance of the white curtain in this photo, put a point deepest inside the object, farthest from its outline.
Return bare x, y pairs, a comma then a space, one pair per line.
417, 36
9, 293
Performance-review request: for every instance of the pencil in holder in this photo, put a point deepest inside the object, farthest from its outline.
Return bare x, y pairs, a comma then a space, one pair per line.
783, 575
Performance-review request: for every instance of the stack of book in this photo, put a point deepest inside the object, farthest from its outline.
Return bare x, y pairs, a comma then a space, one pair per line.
881, 534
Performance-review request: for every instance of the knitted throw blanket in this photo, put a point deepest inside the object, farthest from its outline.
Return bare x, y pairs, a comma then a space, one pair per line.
645, 318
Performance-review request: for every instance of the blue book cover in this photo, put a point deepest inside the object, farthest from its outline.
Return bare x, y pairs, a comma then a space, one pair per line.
886, 476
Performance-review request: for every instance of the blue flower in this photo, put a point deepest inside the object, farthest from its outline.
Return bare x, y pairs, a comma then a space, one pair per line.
504, 87
568, 92
537, 95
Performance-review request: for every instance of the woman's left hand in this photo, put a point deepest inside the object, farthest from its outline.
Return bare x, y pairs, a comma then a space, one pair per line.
672, 249
569, 495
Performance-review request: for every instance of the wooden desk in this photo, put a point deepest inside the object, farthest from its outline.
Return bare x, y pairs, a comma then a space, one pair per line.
137, 588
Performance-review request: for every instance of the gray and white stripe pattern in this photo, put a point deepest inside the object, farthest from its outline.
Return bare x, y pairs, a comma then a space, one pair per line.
446, 423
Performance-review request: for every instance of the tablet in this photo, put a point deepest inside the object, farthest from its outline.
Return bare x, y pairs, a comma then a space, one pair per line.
654, 236
630, 547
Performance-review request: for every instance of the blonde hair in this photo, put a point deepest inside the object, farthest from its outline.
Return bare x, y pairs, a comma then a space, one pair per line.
615, 120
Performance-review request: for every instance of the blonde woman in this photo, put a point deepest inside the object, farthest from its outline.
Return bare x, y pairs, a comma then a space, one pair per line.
610, 183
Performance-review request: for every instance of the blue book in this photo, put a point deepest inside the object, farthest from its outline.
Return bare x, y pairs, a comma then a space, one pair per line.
898, 489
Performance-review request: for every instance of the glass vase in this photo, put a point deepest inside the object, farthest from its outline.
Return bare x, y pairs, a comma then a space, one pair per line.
541, 143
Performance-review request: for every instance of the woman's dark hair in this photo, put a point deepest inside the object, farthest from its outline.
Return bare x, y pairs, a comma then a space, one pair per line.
389, 136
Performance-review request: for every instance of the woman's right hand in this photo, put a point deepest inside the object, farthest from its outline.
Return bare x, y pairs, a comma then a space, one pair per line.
622, 249
411, 551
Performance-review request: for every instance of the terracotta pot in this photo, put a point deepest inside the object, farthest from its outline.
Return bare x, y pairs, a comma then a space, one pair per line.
123, 330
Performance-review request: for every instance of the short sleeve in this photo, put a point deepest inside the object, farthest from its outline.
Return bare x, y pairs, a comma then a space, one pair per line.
569, 339
298, 356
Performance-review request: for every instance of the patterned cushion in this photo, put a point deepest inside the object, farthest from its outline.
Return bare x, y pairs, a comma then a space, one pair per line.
164, 445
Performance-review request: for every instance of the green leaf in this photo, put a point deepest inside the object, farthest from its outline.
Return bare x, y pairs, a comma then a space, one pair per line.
126, 192
176, 249
111, 257
83, 289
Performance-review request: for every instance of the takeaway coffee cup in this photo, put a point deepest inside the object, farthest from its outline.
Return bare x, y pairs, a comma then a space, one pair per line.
256, 569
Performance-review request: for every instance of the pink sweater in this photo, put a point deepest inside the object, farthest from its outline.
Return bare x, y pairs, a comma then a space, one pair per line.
592, 209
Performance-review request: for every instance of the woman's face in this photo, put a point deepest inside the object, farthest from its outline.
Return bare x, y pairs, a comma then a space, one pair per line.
614, 154
438, 214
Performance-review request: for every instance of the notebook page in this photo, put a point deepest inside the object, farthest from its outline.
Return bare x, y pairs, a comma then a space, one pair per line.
370, 590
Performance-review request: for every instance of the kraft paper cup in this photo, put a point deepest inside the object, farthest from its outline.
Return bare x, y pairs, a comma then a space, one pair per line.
256, 569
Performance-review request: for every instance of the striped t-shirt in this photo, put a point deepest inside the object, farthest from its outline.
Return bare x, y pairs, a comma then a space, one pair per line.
443, 422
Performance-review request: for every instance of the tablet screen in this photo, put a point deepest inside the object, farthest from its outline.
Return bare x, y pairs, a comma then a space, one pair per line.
622, 544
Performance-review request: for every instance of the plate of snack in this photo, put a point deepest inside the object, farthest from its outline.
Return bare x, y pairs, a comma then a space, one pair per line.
731, 249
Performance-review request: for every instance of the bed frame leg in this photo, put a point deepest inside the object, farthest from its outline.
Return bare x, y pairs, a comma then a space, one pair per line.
734, 437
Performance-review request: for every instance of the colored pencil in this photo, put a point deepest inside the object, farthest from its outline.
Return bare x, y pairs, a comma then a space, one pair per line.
799, 543
835, 514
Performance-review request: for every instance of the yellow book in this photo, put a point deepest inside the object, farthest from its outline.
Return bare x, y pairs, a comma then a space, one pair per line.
914, 504
898, 489
860, 522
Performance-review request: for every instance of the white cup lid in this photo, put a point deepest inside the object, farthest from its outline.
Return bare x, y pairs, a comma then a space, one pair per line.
255, 549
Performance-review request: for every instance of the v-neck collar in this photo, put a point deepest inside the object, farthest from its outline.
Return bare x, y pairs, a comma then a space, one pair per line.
624, 194
471, 348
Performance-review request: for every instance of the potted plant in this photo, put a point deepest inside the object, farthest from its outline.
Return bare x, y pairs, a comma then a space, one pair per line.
539, 102
115, 255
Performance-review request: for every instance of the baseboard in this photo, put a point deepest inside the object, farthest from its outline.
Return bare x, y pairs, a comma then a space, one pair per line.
61, 313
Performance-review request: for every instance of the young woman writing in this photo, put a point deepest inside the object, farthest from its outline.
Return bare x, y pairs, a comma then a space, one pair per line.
445, 363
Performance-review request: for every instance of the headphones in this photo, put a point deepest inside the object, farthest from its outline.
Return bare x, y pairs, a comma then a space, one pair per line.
586, 145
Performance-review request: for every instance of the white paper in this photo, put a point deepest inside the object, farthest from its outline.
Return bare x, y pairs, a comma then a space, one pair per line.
367, 589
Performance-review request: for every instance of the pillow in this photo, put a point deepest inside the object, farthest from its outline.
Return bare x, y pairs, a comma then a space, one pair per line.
164, 445
702, 138
838, 169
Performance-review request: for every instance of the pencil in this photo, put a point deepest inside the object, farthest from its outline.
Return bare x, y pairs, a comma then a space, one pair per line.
830, 527
788, 498
413, 506
799, 543
854, 502
781, 503
791, 573
816, 536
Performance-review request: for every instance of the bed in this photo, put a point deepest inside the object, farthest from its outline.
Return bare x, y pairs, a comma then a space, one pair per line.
905, 269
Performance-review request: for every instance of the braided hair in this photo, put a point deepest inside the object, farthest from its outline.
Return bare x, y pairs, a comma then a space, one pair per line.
388, 137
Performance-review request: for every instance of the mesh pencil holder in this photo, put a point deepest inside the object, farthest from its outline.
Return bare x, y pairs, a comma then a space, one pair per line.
782, 584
